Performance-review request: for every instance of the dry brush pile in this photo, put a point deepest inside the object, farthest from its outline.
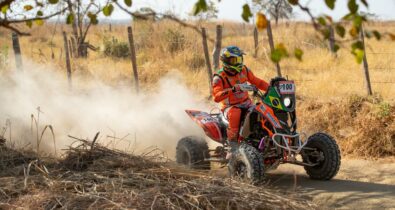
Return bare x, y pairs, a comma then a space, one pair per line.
363, 126
91, 176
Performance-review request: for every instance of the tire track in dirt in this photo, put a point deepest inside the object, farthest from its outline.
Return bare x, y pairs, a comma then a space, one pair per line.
360, 184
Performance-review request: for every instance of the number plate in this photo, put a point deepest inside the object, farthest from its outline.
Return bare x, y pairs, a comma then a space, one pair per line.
287, 87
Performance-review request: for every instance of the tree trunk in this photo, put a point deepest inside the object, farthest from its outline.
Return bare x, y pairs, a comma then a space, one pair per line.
207, 57
365, 65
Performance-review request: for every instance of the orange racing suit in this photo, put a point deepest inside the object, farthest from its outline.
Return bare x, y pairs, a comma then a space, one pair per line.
233, 101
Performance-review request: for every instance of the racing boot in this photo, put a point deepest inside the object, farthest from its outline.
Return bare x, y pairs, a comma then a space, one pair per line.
232, 141
230, 156
234, 147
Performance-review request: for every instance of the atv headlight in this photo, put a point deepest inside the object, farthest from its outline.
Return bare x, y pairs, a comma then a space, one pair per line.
287, 102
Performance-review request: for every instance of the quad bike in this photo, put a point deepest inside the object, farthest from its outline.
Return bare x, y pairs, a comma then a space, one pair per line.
268, 137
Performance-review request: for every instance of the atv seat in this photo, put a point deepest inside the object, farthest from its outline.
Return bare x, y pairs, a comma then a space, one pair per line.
223, 119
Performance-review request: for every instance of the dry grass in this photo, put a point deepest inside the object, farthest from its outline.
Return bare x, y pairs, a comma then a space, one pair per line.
78, 181
98, 178
319, 75
363, 126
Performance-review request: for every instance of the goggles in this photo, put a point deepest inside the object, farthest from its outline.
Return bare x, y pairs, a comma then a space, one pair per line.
235, 60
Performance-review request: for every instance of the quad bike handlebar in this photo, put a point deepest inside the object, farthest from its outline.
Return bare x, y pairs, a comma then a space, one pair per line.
252, 88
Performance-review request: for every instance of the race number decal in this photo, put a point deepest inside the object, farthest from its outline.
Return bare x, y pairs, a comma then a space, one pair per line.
287, 87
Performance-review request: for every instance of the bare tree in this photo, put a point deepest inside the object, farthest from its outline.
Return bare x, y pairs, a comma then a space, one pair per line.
82, 16
278, 9
210, 13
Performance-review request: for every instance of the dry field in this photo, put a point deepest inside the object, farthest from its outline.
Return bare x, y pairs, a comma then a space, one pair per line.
331, 96
336, 84
320, 75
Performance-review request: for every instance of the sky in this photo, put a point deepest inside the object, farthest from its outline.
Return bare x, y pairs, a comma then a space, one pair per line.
232, 9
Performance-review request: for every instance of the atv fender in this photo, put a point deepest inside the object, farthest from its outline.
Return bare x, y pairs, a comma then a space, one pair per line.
209, 124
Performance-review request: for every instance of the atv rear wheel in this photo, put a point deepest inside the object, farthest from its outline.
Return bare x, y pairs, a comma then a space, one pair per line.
191, 152
326, 154
247, 163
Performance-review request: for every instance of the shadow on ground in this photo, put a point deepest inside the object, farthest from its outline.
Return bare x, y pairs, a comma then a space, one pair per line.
337, 193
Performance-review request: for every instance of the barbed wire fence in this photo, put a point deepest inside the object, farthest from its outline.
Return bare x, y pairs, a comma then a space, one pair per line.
177, 40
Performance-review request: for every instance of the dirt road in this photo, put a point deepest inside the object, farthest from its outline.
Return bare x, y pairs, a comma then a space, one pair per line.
360, 184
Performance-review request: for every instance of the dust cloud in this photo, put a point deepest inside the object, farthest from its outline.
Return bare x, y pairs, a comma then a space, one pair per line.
126, 121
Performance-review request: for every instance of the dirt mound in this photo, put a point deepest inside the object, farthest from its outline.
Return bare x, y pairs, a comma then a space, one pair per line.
92, 176
363, 126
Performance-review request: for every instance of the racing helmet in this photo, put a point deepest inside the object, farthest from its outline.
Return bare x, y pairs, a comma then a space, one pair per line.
232, 58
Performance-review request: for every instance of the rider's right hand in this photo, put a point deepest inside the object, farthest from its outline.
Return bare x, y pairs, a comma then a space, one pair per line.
236, 88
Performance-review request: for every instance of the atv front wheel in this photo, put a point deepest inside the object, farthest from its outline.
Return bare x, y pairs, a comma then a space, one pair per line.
247, 163
191, 152
326, 155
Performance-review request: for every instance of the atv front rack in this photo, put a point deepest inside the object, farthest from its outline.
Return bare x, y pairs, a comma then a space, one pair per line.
288, 147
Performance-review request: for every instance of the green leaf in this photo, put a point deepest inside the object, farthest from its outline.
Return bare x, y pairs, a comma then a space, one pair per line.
246, 13
29, 23
39, 13
357, 45
39, 22
107, 10
340, 30
298, 54
275, 56
321, 21
358, 53
128, 3
326, 33
93, 18
357, 22
4, 9
352, 6
278, 53
377, 35
53, 1
200, 6
293, 2
28, 7
336, 47
70, 18
348, 16
330, 3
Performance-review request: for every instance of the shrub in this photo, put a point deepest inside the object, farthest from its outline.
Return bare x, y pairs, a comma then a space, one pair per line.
384, 109
116, 49
175, 40
196, 61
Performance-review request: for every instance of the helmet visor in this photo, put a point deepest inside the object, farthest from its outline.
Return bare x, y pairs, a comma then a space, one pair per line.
235, 60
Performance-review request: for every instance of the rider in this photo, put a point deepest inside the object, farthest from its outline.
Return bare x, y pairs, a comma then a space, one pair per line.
229, 91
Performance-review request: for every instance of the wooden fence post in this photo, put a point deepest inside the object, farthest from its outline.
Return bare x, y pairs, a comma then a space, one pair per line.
133, 58
67, 57
217, 47
70, 48
73, 46
271, 43
255, 42
110, 27
365, 64
17, 51
206, 55
332, 40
